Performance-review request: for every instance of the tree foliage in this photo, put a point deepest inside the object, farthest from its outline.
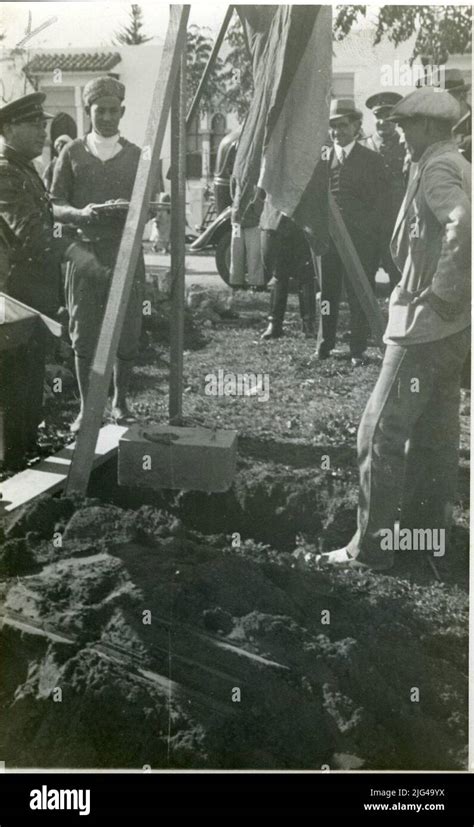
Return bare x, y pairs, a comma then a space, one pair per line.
230, 85
237, 71
131, 34
198, 48
440, 30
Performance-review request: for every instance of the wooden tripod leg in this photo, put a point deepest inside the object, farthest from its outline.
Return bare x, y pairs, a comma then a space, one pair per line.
129, 251
178, 250
355, 272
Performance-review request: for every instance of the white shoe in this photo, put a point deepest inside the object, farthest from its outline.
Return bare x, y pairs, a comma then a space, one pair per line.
342, 557
339, 557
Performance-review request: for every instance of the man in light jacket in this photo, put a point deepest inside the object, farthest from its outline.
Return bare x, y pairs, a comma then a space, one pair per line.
409, 434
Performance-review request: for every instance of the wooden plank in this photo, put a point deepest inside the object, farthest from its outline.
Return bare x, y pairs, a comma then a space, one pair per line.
130, 248
209, 66
178, 242
49, 476
355, 272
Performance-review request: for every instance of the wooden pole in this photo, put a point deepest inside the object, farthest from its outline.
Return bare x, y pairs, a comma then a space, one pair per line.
355, 272
178, 232
209, 66
129, 251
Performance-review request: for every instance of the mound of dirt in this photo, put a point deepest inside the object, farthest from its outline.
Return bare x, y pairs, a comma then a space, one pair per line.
131, 640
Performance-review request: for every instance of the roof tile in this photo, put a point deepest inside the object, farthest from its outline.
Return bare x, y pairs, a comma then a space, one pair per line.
73, 62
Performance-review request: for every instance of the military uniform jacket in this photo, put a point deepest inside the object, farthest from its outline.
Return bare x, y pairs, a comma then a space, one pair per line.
29, 254
393, 153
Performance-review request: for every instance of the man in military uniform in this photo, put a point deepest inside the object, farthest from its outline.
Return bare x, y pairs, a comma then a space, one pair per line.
387, 142
29, 268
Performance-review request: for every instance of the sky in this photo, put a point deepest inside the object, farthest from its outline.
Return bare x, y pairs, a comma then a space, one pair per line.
93, 23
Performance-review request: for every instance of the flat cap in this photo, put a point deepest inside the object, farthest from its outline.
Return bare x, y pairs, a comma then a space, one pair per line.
342, 108
427, 103
450, 79
102, 87
382, 101
26, 108
454, 80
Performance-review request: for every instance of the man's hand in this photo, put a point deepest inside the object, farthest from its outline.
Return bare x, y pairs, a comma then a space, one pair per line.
88, 214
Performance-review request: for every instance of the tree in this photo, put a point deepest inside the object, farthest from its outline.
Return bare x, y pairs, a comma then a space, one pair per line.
440, 30
131, 35
237, 71
198, 48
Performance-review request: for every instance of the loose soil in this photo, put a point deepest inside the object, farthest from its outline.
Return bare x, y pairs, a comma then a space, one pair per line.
184, 630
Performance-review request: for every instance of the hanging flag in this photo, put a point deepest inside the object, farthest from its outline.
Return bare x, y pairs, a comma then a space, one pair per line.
281, 146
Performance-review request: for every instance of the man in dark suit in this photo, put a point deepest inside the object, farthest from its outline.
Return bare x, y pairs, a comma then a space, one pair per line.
358, 183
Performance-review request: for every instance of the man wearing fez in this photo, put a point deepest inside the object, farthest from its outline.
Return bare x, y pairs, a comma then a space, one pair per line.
99, 168
409, 434
29, 259
358, 183
387, 142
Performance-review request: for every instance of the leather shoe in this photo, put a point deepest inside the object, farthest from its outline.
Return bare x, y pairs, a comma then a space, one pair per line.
273, 331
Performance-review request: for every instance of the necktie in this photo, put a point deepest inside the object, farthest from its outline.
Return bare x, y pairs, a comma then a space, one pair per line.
343, 157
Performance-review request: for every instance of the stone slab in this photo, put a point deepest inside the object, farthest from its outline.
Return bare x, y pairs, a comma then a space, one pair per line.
167, 456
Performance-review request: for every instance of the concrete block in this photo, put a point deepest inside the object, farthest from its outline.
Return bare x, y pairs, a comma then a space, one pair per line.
167, 456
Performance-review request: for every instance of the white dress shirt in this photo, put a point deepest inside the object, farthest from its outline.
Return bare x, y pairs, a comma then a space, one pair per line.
341, 153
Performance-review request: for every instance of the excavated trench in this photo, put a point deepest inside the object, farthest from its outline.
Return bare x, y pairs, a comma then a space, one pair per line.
190, 630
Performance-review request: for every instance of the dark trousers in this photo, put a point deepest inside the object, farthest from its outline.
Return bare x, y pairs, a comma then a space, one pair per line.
286, 253
408, 443
22, 371
333, 275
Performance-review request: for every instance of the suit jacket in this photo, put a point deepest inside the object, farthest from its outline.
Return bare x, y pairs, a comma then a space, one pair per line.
362, 199
29, 253
431, 246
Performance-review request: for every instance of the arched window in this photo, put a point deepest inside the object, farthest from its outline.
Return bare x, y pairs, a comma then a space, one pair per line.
193, 150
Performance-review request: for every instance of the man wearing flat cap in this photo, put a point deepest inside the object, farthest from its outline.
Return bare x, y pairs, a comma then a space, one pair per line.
455, 84
409, 434
29, 261
358, 183
387, 142
451, 80
99, 168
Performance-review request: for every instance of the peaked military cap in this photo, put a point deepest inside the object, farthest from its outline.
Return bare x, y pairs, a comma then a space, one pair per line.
26, 108
382, 101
